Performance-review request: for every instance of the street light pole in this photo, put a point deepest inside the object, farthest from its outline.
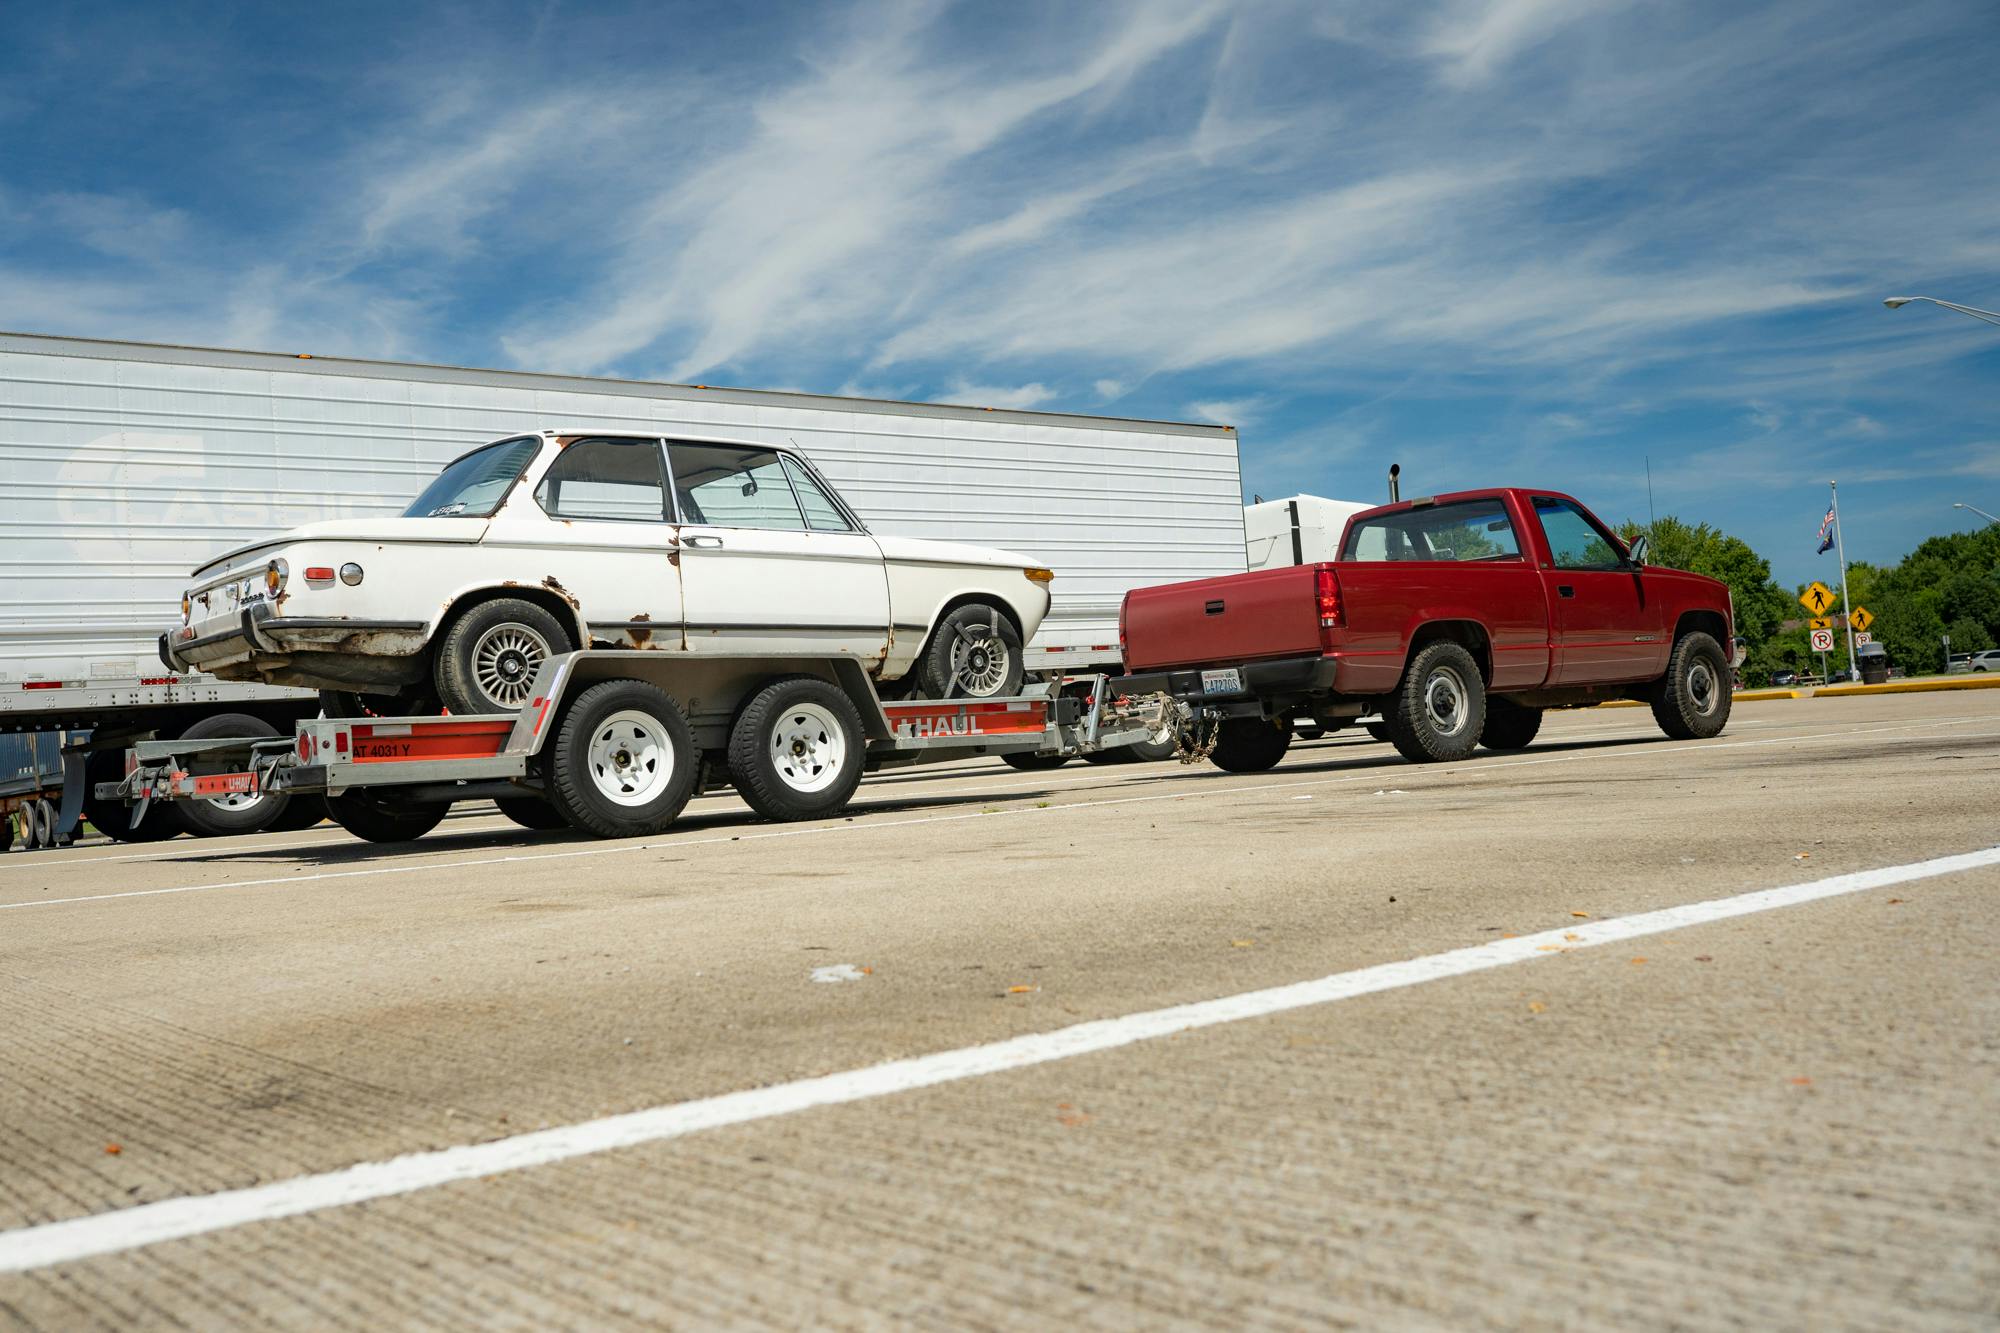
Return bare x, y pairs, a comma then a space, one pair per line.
1977, 510
1984, 316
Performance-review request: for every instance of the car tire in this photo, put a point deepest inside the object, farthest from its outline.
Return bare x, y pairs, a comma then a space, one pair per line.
1249, 745
490, 656
1509, 726
532, 812
1034, 763
1691, 702
623, 763
1380, 731
1439, 710
230, 815
796, 750
375, 819
975, 653
113, 818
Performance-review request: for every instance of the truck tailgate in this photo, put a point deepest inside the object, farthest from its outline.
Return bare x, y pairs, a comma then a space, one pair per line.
1236, 618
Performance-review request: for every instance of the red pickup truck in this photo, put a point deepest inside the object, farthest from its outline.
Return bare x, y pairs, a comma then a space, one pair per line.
1457, 619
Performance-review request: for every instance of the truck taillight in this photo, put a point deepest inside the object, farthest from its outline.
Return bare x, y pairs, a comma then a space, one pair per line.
1326, 589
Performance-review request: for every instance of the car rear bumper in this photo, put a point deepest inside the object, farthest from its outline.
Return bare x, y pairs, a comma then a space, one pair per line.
1285, 676
259, 631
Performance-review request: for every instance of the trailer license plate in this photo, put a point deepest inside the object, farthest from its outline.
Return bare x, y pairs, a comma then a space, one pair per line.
1221, 682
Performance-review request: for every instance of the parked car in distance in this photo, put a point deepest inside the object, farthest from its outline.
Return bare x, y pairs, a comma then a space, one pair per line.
1458, 619
1986, 661
545, 542
1781, 678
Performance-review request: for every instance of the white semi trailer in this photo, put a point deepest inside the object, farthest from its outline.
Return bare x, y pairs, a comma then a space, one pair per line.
125, 465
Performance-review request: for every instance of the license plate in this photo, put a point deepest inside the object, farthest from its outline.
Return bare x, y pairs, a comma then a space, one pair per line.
1226, 681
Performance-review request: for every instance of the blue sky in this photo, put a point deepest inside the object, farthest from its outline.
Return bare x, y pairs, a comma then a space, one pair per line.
1497, 241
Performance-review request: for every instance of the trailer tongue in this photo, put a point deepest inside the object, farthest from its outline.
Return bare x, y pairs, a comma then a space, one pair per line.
605, 744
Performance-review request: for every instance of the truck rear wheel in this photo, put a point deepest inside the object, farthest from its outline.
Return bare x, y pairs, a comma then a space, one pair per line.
1439, 710
532, 812
975, 654
1509, 726
796, 750
1380, 731
377, 820
623, 763
489, 658
1250, 744
252, 812
1691, 702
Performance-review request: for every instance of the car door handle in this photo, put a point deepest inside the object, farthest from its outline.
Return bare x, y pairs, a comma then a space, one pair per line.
709, 542
1564, 590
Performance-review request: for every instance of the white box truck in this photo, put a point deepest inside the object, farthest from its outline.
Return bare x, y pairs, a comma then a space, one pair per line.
126, 465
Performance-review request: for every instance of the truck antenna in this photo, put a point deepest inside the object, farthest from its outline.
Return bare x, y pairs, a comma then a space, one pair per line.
1652, 520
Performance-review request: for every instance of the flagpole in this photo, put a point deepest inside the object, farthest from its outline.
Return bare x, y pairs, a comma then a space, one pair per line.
1840, 549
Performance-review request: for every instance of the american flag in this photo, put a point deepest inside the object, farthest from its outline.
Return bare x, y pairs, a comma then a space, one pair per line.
1826, 532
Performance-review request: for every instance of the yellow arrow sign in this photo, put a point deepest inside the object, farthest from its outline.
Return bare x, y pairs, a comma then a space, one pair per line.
1817, 598
1820, 622
1861, 618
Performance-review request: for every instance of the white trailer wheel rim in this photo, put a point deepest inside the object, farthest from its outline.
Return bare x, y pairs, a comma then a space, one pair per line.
505, 661
236, 801
631, 760
808, 747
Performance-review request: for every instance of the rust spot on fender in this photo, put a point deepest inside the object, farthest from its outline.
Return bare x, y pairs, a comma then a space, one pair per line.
562, 592
642, 631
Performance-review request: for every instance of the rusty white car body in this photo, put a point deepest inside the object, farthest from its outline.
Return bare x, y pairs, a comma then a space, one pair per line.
679, 545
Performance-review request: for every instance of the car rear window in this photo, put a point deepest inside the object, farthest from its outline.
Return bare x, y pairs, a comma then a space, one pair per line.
1464, 530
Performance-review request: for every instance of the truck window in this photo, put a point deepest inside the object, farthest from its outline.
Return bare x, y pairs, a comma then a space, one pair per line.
1465, 530
1576, 542
606, 479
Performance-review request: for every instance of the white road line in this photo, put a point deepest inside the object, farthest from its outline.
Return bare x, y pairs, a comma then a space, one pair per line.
174, 1219
1417, 774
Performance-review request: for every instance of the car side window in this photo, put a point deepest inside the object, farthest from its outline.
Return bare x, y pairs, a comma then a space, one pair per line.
1464, 530
733, 487
821, 512
606, 479
1574, 541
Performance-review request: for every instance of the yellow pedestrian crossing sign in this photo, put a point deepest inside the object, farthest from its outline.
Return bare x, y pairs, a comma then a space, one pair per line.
1817, 598
1861, 618
1820, 622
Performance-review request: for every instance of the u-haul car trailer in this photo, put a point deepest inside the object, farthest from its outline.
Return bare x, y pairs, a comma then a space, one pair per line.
614, 742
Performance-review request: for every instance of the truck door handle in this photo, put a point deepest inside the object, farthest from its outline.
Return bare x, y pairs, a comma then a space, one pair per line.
1214, 608
710, 542
1564, 590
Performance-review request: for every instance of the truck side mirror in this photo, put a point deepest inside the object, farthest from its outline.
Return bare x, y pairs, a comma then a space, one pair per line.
1640, 545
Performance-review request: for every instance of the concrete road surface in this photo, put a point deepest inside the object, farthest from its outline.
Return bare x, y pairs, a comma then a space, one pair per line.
1565, 1072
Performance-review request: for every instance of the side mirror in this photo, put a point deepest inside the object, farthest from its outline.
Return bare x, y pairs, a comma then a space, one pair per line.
1640, 545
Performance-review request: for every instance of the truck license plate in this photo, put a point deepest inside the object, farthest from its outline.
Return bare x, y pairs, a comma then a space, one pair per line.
1226, 681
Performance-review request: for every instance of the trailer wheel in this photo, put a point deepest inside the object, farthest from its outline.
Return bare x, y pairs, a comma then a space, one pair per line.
796, 750
250, 813
1439, 710
531, 812
1034, 763
303, 810
490, 656
623, 762
1691, 702
45, 824
1509, 726
975, 653
1250, 745
114, 818
368, 816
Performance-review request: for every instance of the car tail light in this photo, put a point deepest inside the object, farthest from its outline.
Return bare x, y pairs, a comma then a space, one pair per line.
319, 573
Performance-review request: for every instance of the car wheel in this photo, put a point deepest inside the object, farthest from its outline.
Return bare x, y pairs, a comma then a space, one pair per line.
379, 820
975, 654
796, 750
490, 657
1439, 710
623, 763
1034, 763
1509, 726
532, 812
1249, 745
1691, 702
113, 818
252, 812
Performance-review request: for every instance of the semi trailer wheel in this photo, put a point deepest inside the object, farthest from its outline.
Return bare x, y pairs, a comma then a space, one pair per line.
490, 656
623, 762
1509, 726
975, 654
532, 812
252, 812
1439, 710
378, 820
1250, 744
1691, 702
796, 749
6, 833
113, 818
45, 824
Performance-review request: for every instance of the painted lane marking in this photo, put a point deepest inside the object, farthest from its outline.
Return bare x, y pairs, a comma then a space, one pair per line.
175, 1219
621, 848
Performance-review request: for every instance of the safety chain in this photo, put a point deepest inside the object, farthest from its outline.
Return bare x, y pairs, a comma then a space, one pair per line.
1191, 745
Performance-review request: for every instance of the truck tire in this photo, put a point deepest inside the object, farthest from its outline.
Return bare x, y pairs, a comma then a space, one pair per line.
113, 818
490, 656
532, 812
1310, 733
6, 833
1509, 726
1250, 745
45, 824
1034, 763
233, 814
797, 749
1691, 702
974, 654
379, 820
623, 762
305, 810
1438, 712
1380, 731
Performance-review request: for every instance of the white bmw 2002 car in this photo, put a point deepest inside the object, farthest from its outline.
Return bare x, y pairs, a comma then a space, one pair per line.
541, 543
